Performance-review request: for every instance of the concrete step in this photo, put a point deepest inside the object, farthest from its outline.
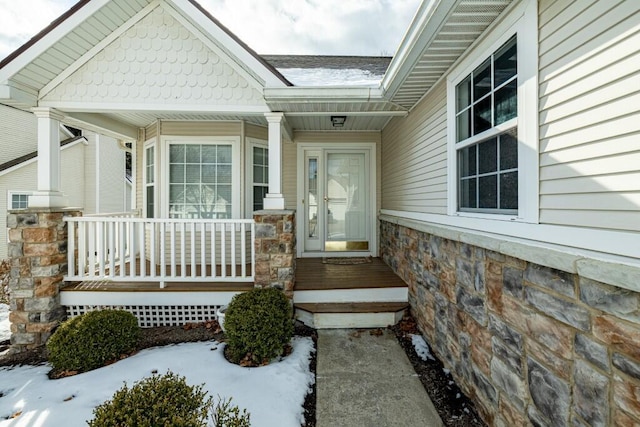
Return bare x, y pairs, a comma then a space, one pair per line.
350, 314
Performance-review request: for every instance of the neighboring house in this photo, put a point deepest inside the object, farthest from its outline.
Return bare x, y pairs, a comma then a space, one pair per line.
93, 168
495, 169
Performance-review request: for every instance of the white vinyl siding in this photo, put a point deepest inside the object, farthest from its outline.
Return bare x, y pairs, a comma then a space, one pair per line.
414, 150
112, 172
196, 128
19, 133
590, 114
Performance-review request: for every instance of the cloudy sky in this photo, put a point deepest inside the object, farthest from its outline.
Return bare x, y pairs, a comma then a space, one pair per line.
316, 27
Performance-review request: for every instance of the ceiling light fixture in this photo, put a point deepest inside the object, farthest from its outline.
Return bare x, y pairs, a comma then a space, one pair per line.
338, 121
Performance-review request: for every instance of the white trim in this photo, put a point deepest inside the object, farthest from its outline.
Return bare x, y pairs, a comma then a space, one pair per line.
570, 249
236, 168
373, 201
115, 107
256, 83
82, 140
249, 183
522, 21
11, 193
97, 176
51, 38
97, 48
146, 298
229, 43
148, 144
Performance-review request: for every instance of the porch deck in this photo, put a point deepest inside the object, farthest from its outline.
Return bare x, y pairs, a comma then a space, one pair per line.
314, 274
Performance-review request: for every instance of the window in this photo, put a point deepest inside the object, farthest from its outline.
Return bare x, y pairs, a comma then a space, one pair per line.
200, 181
486, 129
19, 200
260, 182
149, 185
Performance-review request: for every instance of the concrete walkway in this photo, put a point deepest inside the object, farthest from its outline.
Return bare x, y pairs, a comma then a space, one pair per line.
367, 380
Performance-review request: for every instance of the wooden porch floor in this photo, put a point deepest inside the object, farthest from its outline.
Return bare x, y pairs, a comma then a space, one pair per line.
313, 274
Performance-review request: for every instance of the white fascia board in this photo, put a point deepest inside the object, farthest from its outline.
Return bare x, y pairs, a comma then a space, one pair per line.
329, 93
424, 28
217, 33
103, 125
118, 107
52, 37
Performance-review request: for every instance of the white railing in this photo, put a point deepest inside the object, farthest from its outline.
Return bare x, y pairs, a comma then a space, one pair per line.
129, 249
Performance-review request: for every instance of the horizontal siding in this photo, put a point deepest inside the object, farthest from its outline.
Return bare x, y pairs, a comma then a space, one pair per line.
201, 128
18, 133
112, 173
290, 175
590, 114
254, 131
414, 155
151, 131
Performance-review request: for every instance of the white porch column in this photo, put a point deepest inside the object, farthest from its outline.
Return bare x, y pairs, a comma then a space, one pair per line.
48, 194
274, 198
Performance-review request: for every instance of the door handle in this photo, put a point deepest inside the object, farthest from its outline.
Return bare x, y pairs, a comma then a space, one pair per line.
326, 199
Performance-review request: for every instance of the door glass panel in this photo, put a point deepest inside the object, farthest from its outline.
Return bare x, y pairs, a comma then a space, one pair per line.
346, 197
312, 198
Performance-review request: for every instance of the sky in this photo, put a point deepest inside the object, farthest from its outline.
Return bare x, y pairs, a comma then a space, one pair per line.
300, 27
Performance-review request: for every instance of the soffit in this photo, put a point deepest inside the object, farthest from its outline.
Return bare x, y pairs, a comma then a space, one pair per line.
467, 21
71, 47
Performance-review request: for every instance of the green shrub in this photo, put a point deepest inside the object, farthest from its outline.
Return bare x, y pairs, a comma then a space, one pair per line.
258, 325
227, 415
155, 401
89, 341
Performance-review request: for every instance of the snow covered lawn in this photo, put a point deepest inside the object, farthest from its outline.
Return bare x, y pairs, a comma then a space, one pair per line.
5, 333
274, 394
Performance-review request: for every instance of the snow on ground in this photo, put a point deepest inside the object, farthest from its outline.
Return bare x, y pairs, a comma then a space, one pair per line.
274, 394
331, 77
5, 332
421, 347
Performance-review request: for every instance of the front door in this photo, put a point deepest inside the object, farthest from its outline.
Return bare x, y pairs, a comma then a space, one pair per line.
336, 205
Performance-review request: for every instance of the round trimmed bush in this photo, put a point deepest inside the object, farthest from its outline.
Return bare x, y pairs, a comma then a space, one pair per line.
155, 401
258, 324
90, 340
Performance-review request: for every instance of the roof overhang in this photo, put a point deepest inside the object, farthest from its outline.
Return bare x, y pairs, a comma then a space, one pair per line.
441, 32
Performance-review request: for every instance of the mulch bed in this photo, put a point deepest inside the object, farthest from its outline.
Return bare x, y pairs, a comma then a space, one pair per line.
453, 407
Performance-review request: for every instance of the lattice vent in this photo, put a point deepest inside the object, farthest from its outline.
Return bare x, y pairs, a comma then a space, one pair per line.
155, 315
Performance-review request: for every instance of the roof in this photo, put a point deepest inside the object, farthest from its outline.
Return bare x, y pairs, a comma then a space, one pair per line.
379, 88
34, 154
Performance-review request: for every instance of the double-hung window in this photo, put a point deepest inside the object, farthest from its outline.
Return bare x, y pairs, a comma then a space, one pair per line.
487, 134
492, 101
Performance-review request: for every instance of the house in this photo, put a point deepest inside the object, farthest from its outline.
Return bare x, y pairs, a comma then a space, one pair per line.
93, 168
494, 169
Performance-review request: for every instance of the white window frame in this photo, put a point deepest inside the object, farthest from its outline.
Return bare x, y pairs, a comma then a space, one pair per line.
236, 169
251, 143
148, 144
12, 193
522, 22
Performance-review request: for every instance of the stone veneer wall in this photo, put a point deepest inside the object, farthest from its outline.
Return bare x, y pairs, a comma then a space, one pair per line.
38, 253
529, 344
275, 247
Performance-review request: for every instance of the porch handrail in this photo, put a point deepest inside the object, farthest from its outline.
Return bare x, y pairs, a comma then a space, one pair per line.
135, 213
160, 250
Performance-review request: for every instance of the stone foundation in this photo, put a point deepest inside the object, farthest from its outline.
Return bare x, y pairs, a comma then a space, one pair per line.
531, 345
275, 246
38, 253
